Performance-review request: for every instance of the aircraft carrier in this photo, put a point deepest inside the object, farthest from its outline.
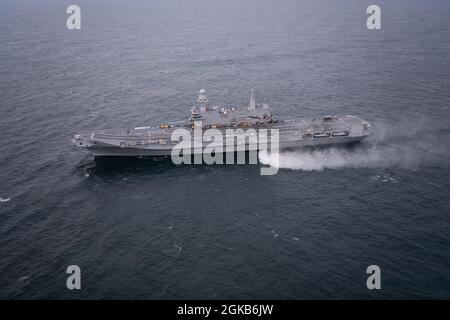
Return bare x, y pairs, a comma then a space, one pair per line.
325, 130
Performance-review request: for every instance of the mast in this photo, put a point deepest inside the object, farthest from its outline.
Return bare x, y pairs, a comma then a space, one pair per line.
202, 100
252, 103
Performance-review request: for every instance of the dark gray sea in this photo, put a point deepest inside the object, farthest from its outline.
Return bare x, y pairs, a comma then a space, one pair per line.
145, 228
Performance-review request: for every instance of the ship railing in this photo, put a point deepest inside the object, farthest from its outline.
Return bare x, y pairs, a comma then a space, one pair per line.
136, 139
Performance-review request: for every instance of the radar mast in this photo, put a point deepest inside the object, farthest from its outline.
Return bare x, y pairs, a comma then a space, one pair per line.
202, 100
252, 103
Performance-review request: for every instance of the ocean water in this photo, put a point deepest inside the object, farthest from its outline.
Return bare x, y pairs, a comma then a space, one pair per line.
144, 228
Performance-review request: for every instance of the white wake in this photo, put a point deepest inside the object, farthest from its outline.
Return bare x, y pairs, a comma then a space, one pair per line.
338, 158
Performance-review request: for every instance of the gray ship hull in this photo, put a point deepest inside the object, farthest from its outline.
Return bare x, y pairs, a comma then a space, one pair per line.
167, 150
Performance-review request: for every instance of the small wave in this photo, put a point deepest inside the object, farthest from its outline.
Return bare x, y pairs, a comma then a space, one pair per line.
385, 178
4, 199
